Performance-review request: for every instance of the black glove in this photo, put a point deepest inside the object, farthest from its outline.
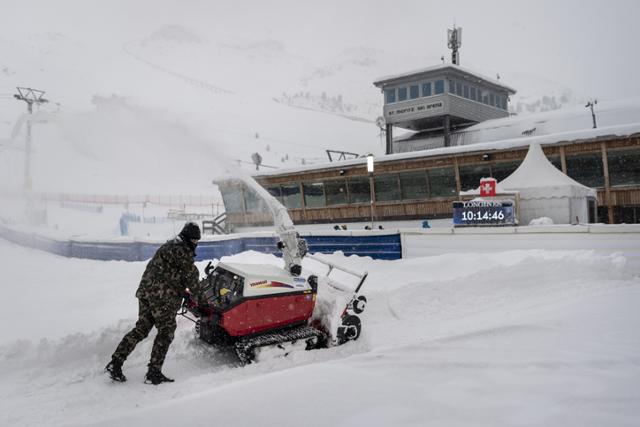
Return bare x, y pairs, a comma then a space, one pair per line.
203, 308
186, 297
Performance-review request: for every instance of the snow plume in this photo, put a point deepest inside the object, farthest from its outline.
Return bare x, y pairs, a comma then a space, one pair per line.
149, 146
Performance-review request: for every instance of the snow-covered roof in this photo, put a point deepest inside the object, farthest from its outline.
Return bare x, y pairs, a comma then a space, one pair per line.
440, 67
578, 135
576, 118
619, 118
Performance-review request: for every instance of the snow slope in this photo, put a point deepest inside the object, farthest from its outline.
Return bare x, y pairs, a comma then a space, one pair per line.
515, 338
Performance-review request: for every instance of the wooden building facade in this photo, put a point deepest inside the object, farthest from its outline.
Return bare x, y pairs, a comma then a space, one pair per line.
424, 185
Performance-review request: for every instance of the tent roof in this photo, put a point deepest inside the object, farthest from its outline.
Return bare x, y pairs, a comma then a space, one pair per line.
536, 171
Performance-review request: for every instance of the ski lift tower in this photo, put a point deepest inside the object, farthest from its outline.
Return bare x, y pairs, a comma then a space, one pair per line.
30, 96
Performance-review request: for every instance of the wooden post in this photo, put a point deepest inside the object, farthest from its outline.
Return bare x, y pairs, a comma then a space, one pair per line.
607, 184
563, 161
456, 171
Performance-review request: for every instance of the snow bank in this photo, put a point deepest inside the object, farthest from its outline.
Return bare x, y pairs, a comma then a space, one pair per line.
545, 220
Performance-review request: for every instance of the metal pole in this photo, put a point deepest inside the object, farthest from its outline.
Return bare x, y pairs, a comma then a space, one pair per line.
590, 104
27, 152
372, 197
389, 139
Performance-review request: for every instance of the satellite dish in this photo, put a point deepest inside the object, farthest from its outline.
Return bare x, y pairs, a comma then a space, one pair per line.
380, 122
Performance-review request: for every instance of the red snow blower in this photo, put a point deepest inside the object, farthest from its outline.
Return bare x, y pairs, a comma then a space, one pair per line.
254, 308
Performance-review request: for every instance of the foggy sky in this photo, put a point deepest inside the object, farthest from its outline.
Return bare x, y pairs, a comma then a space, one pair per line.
589, 46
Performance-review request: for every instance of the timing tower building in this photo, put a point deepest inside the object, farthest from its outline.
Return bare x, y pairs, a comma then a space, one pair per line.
439, 100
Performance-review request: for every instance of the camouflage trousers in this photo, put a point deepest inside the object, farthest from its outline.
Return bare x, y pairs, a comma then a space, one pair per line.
163, 317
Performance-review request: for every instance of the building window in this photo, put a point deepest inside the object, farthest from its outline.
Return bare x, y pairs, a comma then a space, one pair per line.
233, 200
624, 167
452, 86
390, 96
426, 89
465, 91
313, 194
359, 190
336, 192
492, 100
414, 91
470, 176
472, 91
439, 87
275, 192
387, 188
442, 182
291, 197
402, 94
586, 169
253, 202
458, 88
624, 214
413, 185
501, 170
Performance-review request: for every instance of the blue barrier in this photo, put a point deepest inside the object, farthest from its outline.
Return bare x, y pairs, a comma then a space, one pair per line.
378, 246
219, 248
106, 251
386, 246
58, 247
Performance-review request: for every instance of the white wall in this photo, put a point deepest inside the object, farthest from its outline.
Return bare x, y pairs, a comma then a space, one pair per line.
604, 239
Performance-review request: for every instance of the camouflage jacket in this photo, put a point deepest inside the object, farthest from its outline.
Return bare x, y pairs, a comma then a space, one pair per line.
169, 273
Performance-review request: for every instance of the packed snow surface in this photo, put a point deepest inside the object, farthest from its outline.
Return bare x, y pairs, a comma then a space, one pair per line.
532, 337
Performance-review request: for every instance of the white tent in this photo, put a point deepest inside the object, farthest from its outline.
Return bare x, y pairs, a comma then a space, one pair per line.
547, 192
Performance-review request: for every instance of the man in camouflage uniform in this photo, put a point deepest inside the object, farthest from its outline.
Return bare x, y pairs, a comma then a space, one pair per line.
169, 273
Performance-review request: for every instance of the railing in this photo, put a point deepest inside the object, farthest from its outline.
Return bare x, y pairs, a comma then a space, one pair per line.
118, 199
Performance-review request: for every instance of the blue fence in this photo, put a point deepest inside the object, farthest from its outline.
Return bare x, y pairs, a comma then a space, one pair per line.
376, 246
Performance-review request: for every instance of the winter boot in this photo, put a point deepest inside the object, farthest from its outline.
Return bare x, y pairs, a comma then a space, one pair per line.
114, 368
155, 377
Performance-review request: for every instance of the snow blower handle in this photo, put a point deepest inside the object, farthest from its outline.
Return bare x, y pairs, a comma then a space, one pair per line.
208, 269
361, 276
184, 308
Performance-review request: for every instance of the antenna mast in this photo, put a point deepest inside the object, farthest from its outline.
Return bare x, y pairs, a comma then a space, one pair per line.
454, 41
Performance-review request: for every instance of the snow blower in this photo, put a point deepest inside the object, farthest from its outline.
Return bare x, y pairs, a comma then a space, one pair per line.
255, 308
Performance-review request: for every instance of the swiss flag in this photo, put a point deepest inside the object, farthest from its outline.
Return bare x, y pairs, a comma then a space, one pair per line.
487, 187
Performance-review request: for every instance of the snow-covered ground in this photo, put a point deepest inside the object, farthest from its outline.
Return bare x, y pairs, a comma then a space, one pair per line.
529, 337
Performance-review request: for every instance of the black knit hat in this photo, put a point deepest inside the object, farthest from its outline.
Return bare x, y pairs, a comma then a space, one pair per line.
190, 231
